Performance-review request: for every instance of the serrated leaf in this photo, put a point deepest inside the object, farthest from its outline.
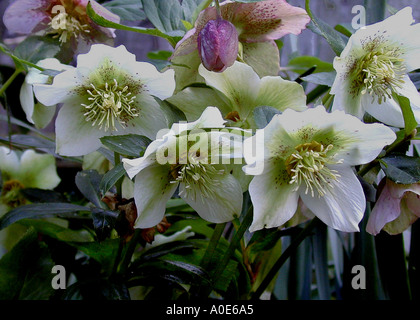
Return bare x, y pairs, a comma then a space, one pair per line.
172, 39
131, 145
128, 10
36, 48
42, 210
402, 169
263, 115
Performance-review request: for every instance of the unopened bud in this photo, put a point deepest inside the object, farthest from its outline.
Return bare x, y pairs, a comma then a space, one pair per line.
218, 45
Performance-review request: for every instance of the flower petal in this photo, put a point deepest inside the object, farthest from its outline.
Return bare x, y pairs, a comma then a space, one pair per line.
9, 163
239, 83
273, 198
224, 205
343, 206
388, 112
26, 16
61, 90
74, 135
281, 94
42, 115
263, 57
152, 190
265, 20
38, 170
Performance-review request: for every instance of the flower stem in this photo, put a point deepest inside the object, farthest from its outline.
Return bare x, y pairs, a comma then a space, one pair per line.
9, 82
283, 258
218, 12
118, 184
129, 252
211, 248
246, 222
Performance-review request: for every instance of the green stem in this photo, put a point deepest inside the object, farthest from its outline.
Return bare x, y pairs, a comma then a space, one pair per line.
283, 258
218, 12
129, 252
118, 184
211, 248
246, 222
118, 256
9, 82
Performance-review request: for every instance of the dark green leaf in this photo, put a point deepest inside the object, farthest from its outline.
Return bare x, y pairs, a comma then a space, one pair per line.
128, 10
132, 145
32, 142
172, 39
375, 10
42, 210
25, 271
324, 30
103, 222
36, 48
409, 119
166, 15
303, 63
263, 115
402, 169
321, 262
111, 177
88, 182
42, 196
321, 78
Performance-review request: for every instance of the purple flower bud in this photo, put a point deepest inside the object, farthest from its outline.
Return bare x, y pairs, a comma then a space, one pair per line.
218, 45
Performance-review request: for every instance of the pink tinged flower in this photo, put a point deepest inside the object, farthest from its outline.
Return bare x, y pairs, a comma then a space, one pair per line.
255, 22
396, 209
218, 45
64, 19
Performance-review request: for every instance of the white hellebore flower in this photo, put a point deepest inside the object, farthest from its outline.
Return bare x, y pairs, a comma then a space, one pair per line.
374, 66
109, 93
208, 188
308, 155
37, 113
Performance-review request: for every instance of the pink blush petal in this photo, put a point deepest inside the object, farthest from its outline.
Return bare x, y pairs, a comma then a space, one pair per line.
26, 16
266, 20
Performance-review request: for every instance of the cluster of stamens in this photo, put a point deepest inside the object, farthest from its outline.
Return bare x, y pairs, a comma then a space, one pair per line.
380, 72
64, 26
109, 105
197, 177
308, 164
11, 195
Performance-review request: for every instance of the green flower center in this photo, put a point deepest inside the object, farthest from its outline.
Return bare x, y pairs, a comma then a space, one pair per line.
379, 72
308, 164
197, 177
11, 195
109, 105
64, 26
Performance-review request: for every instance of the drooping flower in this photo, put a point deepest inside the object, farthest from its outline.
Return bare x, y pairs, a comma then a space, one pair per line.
27, 170
258, 24
37, 113
109, 93
208, 188
397, 207
237, 92
309, 156
66, 20
375, 65
218, 45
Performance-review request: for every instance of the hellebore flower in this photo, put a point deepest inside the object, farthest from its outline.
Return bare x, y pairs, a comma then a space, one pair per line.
397, 207
109, 93
66, 20
237, 92
17, 172
308, 155
218, 45
258, 24
374, 66
208, 188
37, 113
